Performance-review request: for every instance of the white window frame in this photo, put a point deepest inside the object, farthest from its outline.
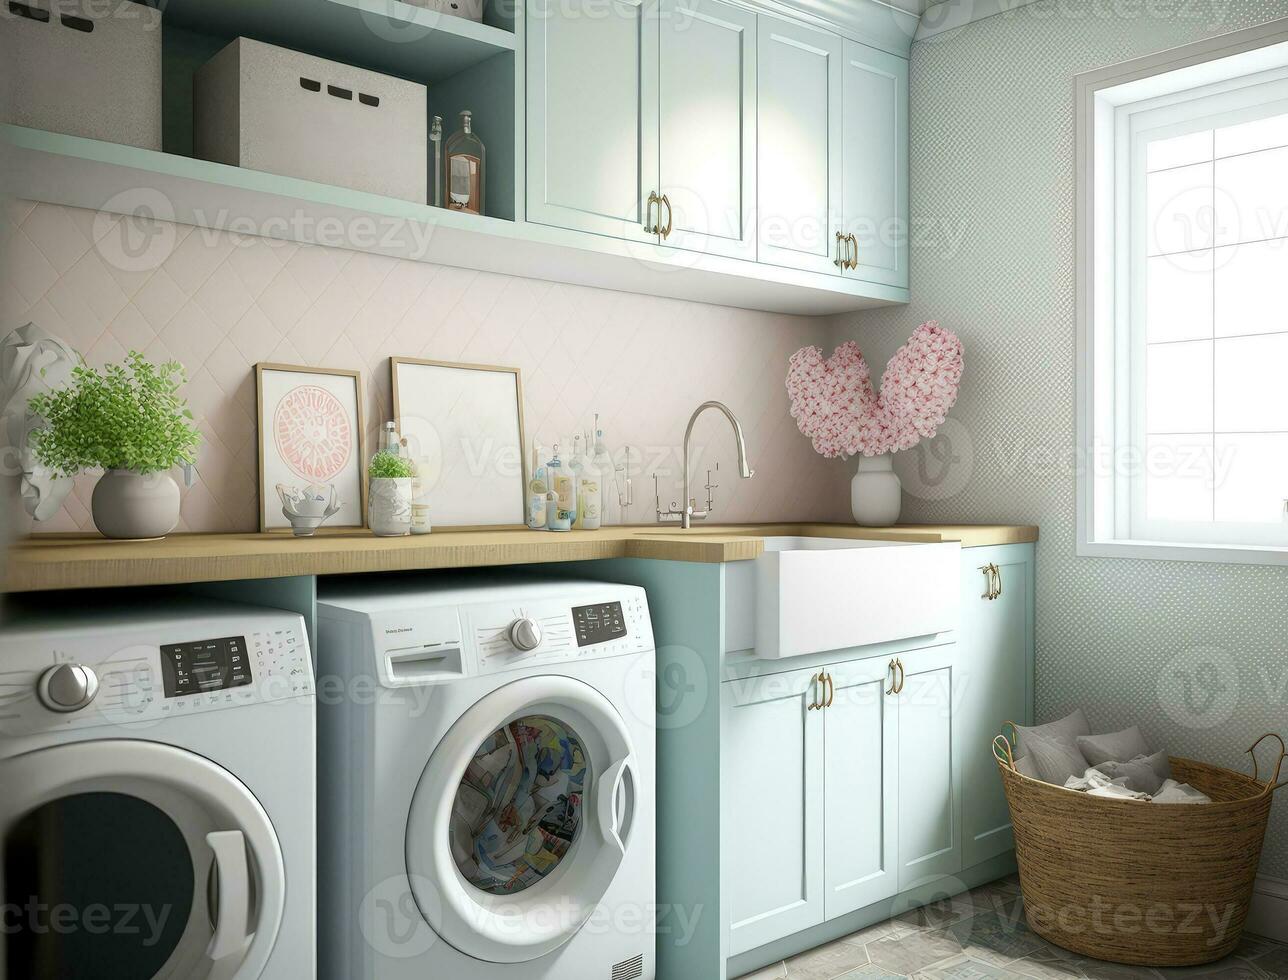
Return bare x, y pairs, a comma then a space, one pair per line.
1158, 91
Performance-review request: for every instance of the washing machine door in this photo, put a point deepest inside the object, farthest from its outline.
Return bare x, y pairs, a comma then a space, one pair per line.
126, 860
522, 818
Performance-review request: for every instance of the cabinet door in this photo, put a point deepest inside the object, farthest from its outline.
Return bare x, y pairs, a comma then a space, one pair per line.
773, 806
996, 643
876, 163
929, 768
592, 114
798, 138
861, 786
707, 125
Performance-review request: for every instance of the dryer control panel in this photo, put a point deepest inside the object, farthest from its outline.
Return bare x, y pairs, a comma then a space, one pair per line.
142, 675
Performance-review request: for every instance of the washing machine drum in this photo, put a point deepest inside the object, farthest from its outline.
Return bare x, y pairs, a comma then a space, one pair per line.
521, 819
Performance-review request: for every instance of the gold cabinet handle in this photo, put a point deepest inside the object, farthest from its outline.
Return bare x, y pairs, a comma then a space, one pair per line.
842, 251
894, 678
816, 681
902, 677
831, 690
997, 582
670, 217
992, 582
651, 226
854, 253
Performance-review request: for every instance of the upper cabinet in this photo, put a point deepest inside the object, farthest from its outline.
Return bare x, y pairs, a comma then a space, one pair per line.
874, 210
592, 115
799, 126
707, 126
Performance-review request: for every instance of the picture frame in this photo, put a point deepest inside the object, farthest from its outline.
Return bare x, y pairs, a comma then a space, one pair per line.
310, 429
463, 424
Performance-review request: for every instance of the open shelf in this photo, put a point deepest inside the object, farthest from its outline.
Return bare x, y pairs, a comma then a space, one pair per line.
101, 176
381, 35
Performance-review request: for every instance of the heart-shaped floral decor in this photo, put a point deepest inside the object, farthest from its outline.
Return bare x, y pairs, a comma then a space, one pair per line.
835, 407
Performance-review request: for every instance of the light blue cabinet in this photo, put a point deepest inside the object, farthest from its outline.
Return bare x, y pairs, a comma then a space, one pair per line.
875, 206
773, 798
929, 766
861, 798
996, 663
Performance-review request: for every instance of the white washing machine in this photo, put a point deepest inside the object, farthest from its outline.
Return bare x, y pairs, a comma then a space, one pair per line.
157, 794
486, 778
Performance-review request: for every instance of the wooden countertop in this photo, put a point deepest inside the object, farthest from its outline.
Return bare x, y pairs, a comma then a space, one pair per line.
59, 561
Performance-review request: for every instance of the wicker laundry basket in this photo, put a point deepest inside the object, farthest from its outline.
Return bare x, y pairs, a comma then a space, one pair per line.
1135, 882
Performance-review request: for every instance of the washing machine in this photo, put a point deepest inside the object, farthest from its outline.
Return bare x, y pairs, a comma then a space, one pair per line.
157, 793
486, 781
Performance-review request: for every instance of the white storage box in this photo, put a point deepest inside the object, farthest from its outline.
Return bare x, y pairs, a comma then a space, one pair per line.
469, 9
82, 67
266, 108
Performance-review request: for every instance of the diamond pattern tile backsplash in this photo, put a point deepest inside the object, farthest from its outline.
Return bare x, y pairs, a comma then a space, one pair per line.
220, 302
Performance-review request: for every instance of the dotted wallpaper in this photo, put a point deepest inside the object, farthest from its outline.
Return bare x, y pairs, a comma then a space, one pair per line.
1197, 654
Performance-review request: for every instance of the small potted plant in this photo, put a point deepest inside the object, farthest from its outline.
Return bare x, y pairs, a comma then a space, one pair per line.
130, 421
389, 496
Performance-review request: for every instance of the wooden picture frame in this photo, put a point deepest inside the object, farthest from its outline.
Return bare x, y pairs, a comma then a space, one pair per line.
452, 414
328, 395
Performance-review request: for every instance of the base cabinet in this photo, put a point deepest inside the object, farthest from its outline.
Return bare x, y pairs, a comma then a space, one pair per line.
996, 661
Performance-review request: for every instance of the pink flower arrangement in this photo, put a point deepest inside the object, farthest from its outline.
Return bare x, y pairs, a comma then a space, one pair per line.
835, 407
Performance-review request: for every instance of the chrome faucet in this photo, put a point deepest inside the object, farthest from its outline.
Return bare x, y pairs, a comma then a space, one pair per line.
689, 512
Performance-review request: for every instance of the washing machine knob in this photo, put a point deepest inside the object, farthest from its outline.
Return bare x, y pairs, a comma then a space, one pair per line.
525, 634
67, 687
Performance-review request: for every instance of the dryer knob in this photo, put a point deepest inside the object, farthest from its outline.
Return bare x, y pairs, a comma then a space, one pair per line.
67, 687
525, 634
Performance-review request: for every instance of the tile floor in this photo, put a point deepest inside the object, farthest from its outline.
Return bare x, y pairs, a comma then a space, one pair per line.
981, 935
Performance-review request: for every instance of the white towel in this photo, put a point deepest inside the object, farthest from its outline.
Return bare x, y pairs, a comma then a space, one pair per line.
1174, 792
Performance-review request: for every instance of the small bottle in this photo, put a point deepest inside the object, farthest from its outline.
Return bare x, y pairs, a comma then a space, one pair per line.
466, 160
553, 521
436, 182
538, 489
420, 519
390, 441
589, 500
610, 509
563, 483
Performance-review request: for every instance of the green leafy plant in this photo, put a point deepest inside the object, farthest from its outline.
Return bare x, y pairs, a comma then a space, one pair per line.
389, 466
127, 417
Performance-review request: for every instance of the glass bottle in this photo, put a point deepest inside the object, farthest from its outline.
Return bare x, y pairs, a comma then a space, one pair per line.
436, 185
465, 165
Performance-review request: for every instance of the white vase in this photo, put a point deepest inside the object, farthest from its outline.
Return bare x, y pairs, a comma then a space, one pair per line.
128, 504
876, 495
389, 506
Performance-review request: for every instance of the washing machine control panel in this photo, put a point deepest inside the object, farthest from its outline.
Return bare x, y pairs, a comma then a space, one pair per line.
583, 625
173, 669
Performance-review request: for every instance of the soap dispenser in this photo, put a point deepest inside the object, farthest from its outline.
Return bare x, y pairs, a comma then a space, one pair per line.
563, 485
610, 509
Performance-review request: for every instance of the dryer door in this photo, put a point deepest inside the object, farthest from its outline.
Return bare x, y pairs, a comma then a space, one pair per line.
522, 818
125, 860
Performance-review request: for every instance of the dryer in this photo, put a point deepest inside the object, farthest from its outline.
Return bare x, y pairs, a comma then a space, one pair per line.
486, 781
157, 794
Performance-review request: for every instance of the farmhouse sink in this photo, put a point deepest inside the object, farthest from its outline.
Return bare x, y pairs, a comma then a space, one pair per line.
812, 595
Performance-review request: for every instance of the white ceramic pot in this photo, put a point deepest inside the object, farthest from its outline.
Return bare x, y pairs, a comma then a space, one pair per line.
389, 507
127, 504
876, 495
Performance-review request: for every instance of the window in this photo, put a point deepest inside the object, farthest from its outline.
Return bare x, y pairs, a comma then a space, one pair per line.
1183, 302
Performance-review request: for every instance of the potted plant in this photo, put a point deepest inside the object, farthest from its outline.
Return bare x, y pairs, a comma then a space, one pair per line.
129, 420
389, 495
835, 405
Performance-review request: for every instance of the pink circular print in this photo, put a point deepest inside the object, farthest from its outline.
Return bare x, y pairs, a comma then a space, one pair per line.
312, 432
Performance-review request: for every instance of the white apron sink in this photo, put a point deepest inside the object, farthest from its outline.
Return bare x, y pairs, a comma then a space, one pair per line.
812, 595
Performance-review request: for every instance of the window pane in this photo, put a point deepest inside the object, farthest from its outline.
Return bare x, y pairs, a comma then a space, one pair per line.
1179, 150
1260, 134
1179, 296
1179, 387
1178, 478
1179, 209
1251, 197
1251, 393
1252, 478
1251, 288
